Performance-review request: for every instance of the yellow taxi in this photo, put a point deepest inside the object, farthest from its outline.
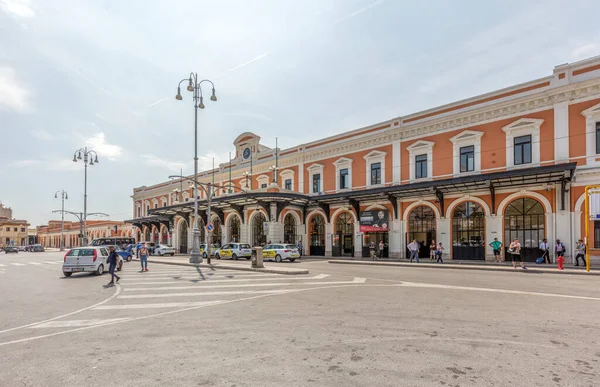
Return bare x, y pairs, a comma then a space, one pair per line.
279, 252
234, 251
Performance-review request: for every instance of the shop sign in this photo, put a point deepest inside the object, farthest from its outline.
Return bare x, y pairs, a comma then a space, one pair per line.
374, 220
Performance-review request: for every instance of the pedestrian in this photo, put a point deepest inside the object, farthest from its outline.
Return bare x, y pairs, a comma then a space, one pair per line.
515, 252
440, 252
300, 248
372, 250
545, 247
113, 259
414, 250
144, 257
432, 250
497, 246
580, 253
381, 247
137, 250
559, 248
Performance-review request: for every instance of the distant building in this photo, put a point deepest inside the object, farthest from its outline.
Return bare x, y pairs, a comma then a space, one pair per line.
5, 212
13, 232
49, 235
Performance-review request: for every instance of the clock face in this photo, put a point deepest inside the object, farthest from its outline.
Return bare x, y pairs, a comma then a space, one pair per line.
247, 153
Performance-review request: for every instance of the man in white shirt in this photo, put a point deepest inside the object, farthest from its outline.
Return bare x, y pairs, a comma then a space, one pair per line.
414, 250
545, 247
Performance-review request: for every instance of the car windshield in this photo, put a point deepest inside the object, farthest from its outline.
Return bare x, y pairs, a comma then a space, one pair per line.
80, 253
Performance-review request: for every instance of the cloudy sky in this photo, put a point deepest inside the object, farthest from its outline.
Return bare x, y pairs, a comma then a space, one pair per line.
103, 74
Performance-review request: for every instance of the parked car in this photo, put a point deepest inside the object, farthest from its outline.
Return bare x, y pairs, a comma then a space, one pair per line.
280, 252
21, 248
126, 255
37, 248
234, 251
11, 249
214, 247
88, 259
164, 250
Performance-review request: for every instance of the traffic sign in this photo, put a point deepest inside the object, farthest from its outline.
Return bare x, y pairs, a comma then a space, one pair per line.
594, 200
210, 227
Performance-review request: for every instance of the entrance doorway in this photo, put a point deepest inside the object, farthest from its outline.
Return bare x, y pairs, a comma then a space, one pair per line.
234, 229
183, 237
468, 231
375, 237
524, 220
343, 239
216, 233
289, 229
317, 235
258, 230
421, 227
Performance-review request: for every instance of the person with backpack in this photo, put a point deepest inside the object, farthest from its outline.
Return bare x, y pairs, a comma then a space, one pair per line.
439, 252
560, 248
580, 253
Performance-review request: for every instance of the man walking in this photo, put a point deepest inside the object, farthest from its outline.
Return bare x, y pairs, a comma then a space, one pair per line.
496, 246
300, 248
381, 247
414, 250
545, 247
559, 248
144, 257
580, 253
113, 258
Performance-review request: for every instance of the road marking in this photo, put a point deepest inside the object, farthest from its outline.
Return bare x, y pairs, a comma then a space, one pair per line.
356, 280
1, 265
53, 262
17, 264
35, 263
320, 276
77, 323
180, 277
219, 293
152, 306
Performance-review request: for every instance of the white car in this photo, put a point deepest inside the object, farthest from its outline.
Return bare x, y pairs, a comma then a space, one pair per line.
279, 252
88, 259
234, 251
164, 250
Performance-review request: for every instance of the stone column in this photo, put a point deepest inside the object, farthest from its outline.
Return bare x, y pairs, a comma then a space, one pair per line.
328, 235
245, 229
275, 227
357, 240
564, 226
443, 235
493, 229
395, 239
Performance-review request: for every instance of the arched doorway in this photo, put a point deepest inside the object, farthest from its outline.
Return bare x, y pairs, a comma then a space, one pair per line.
146, 234
317, 235
468, 231
182, 232
202, 229
155, 237
164, 235
421, 226
343, 239
524, 220
235, 226
216, 233
258, 230
289, 229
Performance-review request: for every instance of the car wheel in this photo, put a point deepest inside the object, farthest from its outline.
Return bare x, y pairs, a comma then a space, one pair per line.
161, 253
100, 270
67, 274
234, 256
292, 259
129, 258
217, 256
172, 254
248, 258
278, 258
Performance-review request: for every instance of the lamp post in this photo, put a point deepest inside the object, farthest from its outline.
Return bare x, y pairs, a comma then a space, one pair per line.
82, 219
87, 159
195, 87
63, 195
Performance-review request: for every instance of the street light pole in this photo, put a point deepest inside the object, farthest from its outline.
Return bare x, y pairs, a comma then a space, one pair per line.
195, 86
63, 195
87, 155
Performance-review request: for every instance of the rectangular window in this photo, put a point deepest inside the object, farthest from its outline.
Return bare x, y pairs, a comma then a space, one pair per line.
523, 150
147, 210
164, 204
597, 234
15, 229
263, 185
22, 229
344, 178
597, 137
467, 158
375, 173
288, 184
139, 212
316, 188
420, 166
8, 229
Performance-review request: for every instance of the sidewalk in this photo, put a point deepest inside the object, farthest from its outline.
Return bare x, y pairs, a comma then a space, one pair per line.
219, 264
471, 265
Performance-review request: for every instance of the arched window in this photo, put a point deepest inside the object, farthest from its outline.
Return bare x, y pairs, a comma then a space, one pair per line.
259, 238
289, 229
524, 219
343, 240
183, 237
421, 227
234, 228
317, 235
468, 231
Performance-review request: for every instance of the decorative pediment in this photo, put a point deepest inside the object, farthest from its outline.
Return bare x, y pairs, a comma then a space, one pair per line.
374, 154
342, 161
594, 111
421, 144
316, 167
523, 123
466, 135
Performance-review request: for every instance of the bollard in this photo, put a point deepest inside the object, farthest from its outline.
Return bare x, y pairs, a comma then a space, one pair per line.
560, 260
257, 257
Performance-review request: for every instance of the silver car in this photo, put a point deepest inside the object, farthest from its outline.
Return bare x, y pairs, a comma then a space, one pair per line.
92, 259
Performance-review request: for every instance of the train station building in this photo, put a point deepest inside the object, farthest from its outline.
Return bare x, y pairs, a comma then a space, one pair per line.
508, 164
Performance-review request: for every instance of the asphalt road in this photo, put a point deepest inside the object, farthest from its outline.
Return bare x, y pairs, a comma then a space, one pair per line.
341, 325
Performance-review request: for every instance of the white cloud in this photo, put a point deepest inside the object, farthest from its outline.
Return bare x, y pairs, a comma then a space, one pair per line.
248, 62
48, 164
41, 134
156, 161
585, 51
12, 93
18, 8
98, 143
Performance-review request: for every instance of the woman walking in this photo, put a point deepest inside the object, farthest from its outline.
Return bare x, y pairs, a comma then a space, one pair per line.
440, 252
432, 251
113, 259
515, 252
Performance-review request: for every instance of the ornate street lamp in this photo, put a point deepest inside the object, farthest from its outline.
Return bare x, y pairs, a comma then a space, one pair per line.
89, 157
64, 196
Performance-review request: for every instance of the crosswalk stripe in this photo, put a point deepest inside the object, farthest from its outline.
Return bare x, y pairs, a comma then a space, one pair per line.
52, 262
320, 276
198, 286
143, 278
76, 323
17, 264
1, 265
219, 293
153, 306
35, 263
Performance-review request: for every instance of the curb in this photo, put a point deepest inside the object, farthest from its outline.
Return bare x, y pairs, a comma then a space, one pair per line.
236, 267
464, 267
